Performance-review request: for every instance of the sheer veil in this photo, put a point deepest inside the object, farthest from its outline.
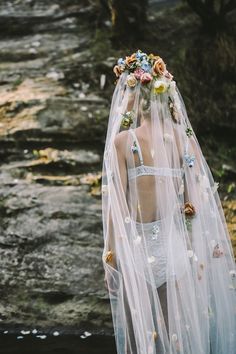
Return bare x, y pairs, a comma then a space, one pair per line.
163, 223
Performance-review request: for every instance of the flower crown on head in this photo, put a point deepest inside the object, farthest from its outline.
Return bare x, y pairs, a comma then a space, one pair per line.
147, 69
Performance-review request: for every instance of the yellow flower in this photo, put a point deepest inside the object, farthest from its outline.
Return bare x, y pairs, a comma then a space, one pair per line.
160, 86
153, 56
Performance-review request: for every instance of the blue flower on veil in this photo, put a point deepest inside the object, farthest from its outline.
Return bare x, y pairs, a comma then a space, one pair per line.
121, 61
146, 66
140, 55
189, 159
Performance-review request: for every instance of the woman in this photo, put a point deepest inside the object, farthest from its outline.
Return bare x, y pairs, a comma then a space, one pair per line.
168, 259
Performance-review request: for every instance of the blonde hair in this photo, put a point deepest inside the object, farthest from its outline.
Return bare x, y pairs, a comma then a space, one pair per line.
145, 102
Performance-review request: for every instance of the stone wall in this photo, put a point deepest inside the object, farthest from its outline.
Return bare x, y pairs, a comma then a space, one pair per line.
52, 130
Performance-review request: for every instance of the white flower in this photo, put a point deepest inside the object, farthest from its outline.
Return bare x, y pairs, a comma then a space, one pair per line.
127, 219
174, 337
131, 80
190, 253
195, 257
151, 259
160, 86
104, 188
137, 240
232, 273
181, 189
215, 187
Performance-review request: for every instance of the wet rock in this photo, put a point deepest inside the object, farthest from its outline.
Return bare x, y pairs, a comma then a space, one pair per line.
29, 114
53, 116
50, 251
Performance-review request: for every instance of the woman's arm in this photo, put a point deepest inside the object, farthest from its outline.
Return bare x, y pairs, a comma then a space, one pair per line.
120, 145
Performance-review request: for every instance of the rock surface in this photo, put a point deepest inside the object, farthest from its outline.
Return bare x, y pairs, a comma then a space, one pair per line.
52, 125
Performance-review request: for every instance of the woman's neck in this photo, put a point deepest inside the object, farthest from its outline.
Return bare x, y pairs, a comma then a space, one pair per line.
146, 122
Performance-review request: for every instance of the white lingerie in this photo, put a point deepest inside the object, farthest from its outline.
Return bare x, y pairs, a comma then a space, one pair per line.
154, 238
156, 248
145, 170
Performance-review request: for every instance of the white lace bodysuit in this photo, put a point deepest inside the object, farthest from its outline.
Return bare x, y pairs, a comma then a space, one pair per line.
154, 237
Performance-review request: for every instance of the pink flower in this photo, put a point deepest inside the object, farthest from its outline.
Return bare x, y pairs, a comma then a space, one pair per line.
146, 78
138, 73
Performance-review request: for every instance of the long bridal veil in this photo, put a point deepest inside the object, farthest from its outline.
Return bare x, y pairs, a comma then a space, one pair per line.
173, 185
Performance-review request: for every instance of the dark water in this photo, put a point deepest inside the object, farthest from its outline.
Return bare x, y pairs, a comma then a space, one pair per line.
60, 344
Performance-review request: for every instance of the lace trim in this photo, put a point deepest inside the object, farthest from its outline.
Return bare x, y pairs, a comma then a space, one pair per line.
144, 170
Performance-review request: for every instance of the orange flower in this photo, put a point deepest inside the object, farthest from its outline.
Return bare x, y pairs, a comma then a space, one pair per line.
117, 70
189, 209
109, 256
131, 59
159, 67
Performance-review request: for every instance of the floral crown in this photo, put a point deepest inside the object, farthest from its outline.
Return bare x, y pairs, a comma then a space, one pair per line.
147, 69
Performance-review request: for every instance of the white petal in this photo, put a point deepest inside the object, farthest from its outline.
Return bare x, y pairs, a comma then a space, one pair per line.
195, 257
215, 187
181, 189
87, 333
104, 188
137, 241
151, 259
232, 272
213, 243
190, 253
174, 337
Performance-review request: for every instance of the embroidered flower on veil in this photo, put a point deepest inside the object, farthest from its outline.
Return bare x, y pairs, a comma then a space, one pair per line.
189, 209
109, 256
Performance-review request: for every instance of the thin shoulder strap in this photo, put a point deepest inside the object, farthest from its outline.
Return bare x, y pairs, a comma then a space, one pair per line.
138, 146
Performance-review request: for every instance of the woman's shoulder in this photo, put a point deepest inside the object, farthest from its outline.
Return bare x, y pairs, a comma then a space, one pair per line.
121, 138
120, 141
